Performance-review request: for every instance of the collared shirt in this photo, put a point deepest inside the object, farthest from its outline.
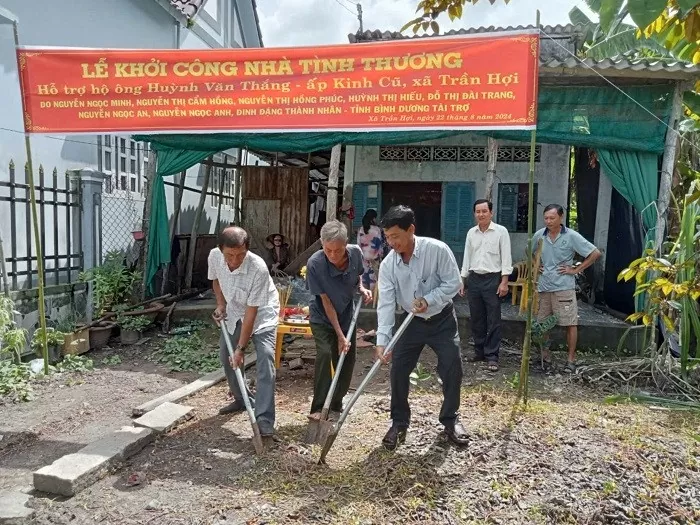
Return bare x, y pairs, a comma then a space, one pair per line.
557, 252
487, 251
248, 285
431, 273
341, 286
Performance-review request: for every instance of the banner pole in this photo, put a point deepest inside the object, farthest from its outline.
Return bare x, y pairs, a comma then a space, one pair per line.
527, 342
35, 220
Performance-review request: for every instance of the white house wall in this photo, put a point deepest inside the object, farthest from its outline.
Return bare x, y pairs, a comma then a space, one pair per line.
107, 24
551, 174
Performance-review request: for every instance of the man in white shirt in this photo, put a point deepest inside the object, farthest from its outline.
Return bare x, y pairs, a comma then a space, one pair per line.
421, 275
247, 300
486, 267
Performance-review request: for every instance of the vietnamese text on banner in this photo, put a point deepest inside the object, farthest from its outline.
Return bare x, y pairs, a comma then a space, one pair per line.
475, 82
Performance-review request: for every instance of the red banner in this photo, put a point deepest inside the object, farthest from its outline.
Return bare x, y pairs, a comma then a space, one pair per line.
476, 82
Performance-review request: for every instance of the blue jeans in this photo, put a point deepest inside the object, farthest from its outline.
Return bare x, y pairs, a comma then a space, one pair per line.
264, 401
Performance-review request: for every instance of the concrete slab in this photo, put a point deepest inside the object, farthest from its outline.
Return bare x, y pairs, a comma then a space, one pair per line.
204, 382
72, 473
165, 417
14, 509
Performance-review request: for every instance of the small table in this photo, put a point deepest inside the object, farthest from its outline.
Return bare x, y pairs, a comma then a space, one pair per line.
288, 328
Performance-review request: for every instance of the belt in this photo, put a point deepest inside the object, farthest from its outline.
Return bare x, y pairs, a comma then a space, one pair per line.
442, 314
493, 274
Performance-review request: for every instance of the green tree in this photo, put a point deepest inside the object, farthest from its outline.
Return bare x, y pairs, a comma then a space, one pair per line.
675, 24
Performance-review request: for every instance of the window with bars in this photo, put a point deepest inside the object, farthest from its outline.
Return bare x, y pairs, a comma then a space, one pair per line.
455, 153
124, 161
222, 184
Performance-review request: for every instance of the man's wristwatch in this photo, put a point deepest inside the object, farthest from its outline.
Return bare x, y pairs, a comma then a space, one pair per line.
239, 348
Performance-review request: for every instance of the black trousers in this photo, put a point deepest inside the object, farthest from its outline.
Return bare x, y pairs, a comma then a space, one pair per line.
485, 311
439, 333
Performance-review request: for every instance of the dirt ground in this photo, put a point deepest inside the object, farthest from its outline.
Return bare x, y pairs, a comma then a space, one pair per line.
568, 459
72, 409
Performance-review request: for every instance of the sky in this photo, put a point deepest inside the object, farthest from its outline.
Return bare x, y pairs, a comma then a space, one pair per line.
317, 22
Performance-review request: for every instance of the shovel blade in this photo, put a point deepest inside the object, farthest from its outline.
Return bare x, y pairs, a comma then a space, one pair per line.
257, 440
325, 428
312, 432
327, 446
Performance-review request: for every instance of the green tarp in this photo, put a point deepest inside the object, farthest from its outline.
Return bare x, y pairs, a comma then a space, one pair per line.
599, 117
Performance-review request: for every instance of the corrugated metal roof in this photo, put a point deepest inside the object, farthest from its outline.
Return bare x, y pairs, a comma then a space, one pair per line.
674, 68
568, 30
189, 8
557, 47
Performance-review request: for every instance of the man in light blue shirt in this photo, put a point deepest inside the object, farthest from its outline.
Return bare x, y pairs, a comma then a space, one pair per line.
421, 275
556, 285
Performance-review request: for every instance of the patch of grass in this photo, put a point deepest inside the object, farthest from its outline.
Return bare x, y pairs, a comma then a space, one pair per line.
610, 487
112, 360
14, 381
375, 489
75, 363
188, 353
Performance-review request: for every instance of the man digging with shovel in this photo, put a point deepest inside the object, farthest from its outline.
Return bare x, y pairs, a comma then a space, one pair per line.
421, 275
333, 276
247, 300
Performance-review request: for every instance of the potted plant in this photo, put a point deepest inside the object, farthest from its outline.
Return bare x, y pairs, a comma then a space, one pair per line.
132, 327
12, 338
112, 283
76, 339
55, 340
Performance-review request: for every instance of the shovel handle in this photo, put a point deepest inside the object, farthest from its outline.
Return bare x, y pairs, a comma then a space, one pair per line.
341, 360
239, 375
375, 367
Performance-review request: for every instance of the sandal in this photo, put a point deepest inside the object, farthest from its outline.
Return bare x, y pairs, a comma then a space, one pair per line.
547, 366
492, 366
570, 367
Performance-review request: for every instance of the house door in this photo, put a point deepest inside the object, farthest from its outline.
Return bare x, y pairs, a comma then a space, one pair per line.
457, 215
425, 198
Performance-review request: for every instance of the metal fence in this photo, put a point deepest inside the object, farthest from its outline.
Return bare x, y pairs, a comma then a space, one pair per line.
58, 202
122, 213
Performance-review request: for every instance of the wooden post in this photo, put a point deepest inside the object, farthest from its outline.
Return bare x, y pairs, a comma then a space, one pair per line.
348, 183
222, 178
492, 149
176, 216
195, 226
332, 201
38, 231
145, 221
237, 189
530, 283
667, 166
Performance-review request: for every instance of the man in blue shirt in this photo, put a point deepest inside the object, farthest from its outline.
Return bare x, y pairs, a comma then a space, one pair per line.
557, 285
333, 276
421, 275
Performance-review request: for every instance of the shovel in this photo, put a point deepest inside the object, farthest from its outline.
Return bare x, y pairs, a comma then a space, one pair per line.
336, 428
318, 430
257, 438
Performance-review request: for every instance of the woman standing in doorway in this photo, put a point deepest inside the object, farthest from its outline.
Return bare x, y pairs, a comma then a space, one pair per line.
370, 239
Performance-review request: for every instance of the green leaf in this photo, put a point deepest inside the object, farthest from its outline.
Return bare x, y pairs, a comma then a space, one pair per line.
644, 12
435, 27
608, 12
578, 17
691, 99
594, 5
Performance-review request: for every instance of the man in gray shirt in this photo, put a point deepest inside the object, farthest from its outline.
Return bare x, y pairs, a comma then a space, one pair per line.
421, 275
333, 277
557, 285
